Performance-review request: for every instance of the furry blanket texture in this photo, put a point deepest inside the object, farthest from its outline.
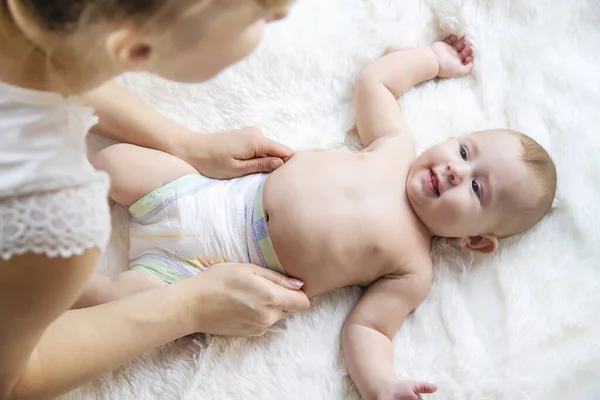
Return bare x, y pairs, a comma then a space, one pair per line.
521, 324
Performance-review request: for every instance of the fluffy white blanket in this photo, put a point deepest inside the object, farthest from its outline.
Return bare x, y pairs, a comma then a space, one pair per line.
522, 324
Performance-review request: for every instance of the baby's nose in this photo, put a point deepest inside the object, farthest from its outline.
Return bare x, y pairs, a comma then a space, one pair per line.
456, 172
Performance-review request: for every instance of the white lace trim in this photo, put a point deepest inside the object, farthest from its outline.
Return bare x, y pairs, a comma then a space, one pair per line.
61, 223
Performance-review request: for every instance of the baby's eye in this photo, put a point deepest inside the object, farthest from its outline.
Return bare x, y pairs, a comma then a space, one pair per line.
476, 187
463, 153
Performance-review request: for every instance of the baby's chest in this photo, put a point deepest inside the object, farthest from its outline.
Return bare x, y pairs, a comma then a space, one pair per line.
401, 240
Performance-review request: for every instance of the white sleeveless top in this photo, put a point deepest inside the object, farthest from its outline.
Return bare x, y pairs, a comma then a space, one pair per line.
52, 201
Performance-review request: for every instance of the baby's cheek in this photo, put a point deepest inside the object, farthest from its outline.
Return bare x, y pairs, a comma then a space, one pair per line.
445, 214
453, 202
455, 209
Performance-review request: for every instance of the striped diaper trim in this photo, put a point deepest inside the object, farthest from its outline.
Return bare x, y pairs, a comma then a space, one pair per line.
259, 233
156, 201
166, 268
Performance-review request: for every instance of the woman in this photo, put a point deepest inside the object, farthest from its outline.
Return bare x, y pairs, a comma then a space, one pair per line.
53, 215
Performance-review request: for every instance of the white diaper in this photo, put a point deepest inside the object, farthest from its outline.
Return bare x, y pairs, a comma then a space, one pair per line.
193, 222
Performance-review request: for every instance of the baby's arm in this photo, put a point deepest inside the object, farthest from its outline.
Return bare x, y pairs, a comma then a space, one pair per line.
382, 82
368, 332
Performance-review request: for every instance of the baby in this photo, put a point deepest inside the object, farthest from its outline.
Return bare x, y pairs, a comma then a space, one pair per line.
341, 219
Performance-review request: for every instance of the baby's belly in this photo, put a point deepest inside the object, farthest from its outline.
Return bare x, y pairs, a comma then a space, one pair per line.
322, 264
322, 225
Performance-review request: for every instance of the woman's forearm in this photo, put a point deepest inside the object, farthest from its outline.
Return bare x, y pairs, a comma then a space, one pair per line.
83, 344
126, 118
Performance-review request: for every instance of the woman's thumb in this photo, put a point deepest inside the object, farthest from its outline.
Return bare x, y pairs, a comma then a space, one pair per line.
260, 164
280, 279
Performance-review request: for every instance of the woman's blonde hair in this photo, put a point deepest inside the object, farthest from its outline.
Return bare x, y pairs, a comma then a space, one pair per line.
67, 16
273, 4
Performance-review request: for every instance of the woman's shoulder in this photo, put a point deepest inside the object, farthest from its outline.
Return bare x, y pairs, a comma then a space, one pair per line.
43, 140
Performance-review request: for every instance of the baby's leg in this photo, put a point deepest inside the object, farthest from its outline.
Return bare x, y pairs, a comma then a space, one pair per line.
136, 171
103, 289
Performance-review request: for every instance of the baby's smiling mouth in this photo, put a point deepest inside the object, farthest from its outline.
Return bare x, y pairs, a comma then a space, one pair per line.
434, 183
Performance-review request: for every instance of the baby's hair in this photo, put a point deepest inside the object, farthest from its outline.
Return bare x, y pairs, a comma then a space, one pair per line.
543, 168
67, 16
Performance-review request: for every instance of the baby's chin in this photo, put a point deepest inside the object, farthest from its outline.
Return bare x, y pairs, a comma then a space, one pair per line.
417, 201
412, 190
416, 190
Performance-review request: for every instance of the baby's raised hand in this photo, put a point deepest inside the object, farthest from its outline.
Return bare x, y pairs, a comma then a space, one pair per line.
407, 390
455, 57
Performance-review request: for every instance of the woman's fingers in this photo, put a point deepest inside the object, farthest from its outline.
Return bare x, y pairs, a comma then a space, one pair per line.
291, 300
280, 279
285, 294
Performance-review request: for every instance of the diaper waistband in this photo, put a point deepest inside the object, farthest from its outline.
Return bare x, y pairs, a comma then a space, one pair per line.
260, 245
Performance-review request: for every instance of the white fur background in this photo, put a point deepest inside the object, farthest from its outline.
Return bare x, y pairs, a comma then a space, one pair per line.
523, 324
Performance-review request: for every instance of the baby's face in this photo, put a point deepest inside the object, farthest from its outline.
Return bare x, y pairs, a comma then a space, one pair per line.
470, 185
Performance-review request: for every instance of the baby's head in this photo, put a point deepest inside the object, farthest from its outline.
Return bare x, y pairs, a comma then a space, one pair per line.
482, 186
182, 40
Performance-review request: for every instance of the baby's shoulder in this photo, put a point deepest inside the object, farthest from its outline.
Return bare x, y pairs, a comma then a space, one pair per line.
412, 260
393, 145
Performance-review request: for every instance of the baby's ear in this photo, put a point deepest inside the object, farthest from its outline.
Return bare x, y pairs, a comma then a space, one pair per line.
481, 243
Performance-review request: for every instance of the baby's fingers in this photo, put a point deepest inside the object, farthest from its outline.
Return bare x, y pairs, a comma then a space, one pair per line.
466, 53
451, 39
460, 45
467, 68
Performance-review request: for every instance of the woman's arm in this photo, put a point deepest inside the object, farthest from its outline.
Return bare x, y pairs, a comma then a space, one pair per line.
41, 359
34, 291
124, 117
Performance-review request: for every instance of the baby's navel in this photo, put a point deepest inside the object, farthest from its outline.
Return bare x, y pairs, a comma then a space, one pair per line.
378, 248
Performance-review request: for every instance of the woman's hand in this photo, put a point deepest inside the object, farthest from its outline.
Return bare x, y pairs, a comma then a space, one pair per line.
126, 118
241, 299
231, 154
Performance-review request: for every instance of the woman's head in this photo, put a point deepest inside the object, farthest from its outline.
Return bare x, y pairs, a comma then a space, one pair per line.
183, 40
